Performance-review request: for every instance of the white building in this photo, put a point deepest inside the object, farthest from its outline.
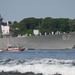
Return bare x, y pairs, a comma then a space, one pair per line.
5, 29
36, 32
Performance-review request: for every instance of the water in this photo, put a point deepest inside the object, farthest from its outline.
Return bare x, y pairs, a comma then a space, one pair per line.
38, 62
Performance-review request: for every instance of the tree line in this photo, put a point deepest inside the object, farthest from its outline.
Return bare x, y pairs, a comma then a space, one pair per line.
48, 24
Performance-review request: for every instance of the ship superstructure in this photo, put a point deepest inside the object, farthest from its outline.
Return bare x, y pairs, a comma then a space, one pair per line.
4, 28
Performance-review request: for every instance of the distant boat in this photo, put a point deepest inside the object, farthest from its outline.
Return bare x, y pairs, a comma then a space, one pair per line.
14, 49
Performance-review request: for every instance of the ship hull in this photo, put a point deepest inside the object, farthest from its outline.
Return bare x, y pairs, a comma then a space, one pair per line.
60, 41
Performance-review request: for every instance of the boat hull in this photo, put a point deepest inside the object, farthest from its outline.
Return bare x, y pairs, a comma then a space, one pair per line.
60, 41
14, 50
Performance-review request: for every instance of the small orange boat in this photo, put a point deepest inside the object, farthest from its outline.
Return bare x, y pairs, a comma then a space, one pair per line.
14, 49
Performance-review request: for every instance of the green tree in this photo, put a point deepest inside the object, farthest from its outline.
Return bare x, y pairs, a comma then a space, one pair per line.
46, 25
72, 25
64, 25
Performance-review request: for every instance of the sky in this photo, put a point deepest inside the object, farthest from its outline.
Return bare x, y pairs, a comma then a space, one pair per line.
16, 10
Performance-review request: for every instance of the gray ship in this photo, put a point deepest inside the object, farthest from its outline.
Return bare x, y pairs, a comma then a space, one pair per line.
52, 41
61, 41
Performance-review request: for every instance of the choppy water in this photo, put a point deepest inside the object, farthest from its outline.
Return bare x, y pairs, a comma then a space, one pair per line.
38, 62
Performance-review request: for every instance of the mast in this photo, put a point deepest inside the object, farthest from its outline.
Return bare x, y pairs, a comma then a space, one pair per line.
1, 19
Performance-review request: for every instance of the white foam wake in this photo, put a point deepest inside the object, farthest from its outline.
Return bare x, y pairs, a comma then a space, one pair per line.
44, 66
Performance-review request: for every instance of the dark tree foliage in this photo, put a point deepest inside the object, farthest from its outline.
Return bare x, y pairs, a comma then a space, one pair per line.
48, 24
64, 25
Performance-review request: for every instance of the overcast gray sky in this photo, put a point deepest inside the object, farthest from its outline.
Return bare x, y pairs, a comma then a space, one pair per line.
16, 10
